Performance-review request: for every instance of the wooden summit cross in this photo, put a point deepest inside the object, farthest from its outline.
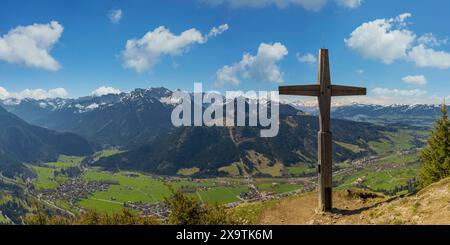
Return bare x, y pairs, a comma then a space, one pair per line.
324, 90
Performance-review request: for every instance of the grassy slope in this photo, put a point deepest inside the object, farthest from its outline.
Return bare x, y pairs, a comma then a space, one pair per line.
300, 169
235, 169
387, 173
3, 198
106, 153
353, 148
395, 141
429, 206
3, 220
188, 171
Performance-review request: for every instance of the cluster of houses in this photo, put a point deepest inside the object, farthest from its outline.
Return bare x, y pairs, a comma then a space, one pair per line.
75, 189
253, 194
157, 209
363, 162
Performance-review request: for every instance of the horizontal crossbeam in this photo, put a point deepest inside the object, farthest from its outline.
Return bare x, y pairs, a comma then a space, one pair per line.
305, 90
314, 90
339, 90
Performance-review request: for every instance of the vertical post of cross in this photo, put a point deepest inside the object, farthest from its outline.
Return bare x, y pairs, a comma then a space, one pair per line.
324, 90
324, 135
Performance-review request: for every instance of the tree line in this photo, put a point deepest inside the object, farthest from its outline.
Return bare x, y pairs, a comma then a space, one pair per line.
436, 155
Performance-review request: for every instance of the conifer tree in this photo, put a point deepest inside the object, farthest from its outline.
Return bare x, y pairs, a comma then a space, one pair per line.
436, 155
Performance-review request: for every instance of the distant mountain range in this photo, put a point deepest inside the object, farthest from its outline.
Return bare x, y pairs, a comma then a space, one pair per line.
74, 115
124, 119
139, 122
415, 115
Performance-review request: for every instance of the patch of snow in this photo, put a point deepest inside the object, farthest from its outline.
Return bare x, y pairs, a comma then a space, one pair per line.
43, 105
92, 106
12, 101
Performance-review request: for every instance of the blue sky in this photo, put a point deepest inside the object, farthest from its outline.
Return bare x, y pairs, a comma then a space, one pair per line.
397, 49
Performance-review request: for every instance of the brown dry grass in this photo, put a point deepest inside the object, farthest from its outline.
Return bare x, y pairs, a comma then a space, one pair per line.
429, 206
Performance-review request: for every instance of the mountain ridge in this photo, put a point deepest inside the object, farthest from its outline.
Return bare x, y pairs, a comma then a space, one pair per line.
21, 142
210, 148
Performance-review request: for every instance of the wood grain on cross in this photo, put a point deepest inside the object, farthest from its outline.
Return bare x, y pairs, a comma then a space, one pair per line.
324, 90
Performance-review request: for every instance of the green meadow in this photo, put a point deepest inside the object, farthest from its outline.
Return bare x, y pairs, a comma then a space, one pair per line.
106, 153
139, 187
380, 180
388, 173
394, 141
393, 169
45, 178
46, 173
277, 188
300, 169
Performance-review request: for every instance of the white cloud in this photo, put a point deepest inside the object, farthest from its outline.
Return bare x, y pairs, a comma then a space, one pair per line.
397, 92
142, 54
37, 94
31, 45
389, 40
428, 57
349, 3
416, 80
312, 5
115, 15
104, 90
263, 66
4, 94
381, 96
307, 58
360, 71
382, 39
215, 31
386, 96
390, 100
430, 40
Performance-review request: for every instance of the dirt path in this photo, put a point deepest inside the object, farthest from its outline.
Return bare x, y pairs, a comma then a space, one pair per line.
303, 210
